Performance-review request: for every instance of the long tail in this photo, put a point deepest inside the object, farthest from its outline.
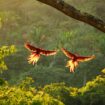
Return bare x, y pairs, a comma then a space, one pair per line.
72, 65
33, 58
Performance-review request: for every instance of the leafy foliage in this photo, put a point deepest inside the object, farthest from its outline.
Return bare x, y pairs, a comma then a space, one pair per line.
17, 95
50, 29
58, 91
52, 84
4, 52
54, 94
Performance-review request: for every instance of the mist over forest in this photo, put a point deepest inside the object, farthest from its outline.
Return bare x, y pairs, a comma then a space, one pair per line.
49, 82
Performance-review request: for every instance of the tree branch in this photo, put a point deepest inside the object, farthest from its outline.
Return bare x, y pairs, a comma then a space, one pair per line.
76, 14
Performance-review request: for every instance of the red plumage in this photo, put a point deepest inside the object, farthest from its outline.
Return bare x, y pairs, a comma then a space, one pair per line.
73, 63
36, 52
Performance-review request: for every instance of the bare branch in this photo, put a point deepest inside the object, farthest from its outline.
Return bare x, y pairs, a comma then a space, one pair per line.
76, 14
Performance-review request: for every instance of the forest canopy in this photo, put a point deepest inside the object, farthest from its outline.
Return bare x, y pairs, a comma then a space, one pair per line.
49, 82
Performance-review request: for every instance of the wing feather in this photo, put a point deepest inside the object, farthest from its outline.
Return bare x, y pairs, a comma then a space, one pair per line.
30, 47
48, 52
68, 54
85, 58
41, 51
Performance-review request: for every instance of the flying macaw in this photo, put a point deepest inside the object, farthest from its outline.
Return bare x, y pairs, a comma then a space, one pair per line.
75, 59
37, 52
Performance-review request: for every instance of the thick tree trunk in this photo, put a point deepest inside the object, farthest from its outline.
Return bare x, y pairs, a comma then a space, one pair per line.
76, 14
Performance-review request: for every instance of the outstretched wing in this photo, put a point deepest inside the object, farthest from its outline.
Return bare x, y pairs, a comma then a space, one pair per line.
41, 51
68, 54
48, 52
83, 59
30, 47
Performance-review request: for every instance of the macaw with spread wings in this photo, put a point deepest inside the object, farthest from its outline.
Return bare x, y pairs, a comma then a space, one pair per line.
37, 52
73, 63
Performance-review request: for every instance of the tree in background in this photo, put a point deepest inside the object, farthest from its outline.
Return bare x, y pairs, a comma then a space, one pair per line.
76, 14
4, 52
